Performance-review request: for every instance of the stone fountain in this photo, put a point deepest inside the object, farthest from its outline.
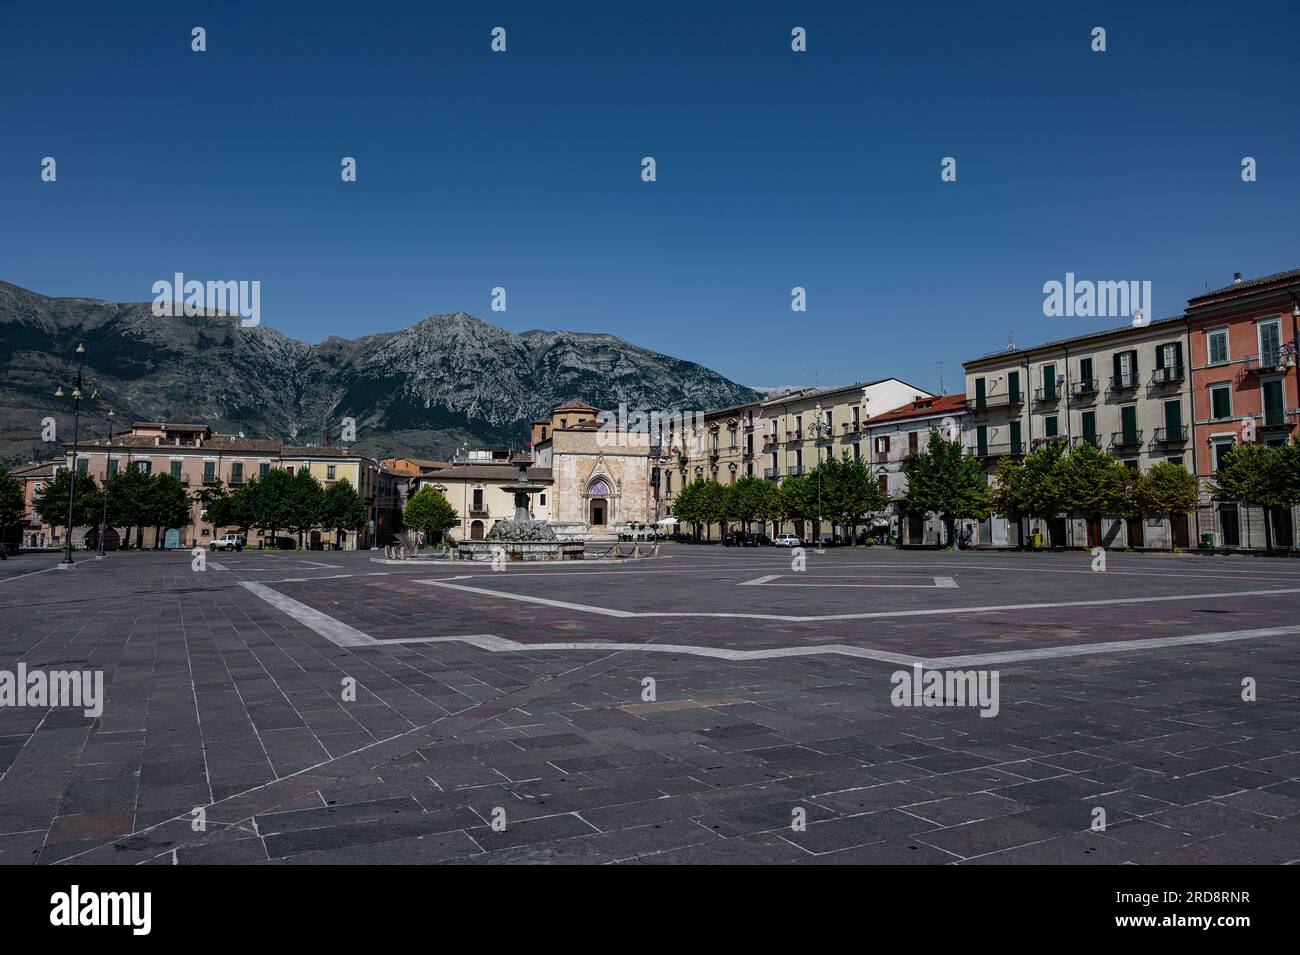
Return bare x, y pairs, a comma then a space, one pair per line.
522, 537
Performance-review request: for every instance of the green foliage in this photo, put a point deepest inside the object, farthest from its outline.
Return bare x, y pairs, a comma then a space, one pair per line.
52, 500
797, 500
849, 491
342, 508
273, 501
306, 499
12, 505
167, 504
1167, 488
428, 510
945, 480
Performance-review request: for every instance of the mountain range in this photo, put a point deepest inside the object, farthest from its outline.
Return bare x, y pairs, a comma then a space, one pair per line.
442, 383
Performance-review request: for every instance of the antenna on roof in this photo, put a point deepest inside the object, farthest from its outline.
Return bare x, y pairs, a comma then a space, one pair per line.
940, 364
1011, 339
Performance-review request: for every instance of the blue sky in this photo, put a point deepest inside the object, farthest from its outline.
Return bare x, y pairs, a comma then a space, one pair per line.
775, 169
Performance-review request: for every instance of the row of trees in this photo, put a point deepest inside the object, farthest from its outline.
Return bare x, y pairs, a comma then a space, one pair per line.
281, 500
137, 500
841, 491
947, 481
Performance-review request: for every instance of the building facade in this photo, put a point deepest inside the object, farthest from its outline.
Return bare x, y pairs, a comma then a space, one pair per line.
1245, 386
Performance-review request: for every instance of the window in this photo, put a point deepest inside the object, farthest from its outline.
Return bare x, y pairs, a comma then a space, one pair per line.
981, 390
1128, 424
1169, 362
329, 472
1126, 369
477, 505
857, 417
1270, 341
176, 469
1050, 425
1216, 345
1049, 382
982, 441
1221, 446
733, 436
857, 451
263, 468
1176, 459
1271, 392
144, 467
1173, 420
209, 472
1015, 437
913, 441
668, 483
882, 445
798, 460
883, 481
237, 472
1090, 427
112, 466
1220, 402
1085, 369
1013, 385
541, 499
83, 465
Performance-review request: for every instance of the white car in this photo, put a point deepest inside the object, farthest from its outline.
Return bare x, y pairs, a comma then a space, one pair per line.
787, 540
229, 542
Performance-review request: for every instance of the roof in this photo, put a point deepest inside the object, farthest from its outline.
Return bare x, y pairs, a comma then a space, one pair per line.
170, 426
1247, 285
807, 393
220, 444
36, 469
483, 472
1157, 325
574, 406
922, 408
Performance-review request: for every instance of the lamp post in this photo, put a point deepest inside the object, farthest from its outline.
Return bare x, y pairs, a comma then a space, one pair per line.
68, 563
103, 517
819, 430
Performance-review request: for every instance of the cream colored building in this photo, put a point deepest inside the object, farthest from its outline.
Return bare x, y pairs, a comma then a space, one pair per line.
477, 492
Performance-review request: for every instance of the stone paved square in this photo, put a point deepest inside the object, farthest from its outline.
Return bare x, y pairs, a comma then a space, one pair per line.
520, 697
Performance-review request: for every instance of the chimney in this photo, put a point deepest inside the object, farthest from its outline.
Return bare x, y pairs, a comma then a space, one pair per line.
1236, 278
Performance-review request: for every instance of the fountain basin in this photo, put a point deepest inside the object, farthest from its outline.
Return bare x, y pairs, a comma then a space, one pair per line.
486, 550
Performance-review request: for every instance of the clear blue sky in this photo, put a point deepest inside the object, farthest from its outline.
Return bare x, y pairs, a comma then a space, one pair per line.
775, 169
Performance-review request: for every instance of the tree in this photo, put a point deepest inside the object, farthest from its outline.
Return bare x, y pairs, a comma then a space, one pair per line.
767, 496
712, 504
1085, 480
306, 497
273, 504
1254, 473
167, 504
1042, 489
945, 480
1007, 491
128, 492
797, 500
849, 492
52, 501
342, 509
12, 504
1168, 489
429, 511
686, 505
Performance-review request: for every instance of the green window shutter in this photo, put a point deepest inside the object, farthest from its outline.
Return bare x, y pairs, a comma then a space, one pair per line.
1090, 427
1051, 425
1178, 354
1013, 385
1128, 422
1219, 403
1015, 437
1160, 357
1273, 403
980, 394
1173, 419
982, 439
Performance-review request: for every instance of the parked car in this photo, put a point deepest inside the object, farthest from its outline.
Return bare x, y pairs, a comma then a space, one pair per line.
787, 540
758, 540
229, 542
4, 551
745, 539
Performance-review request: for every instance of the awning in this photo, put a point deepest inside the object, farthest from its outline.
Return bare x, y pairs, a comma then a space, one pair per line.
667, 522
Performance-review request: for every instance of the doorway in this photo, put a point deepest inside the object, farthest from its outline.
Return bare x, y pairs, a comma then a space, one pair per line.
1181, 532
599, 510
1094, 530
1133, 527
476, 531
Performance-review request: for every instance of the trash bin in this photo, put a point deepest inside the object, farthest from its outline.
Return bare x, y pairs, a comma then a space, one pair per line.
1207, 541
1035, 540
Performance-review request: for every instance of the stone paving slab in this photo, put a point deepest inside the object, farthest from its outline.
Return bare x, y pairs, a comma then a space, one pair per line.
216, 699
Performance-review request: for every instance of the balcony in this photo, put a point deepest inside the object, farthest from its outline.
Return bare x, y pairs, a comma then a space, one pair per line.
997, 401
1048, 439
795, 435
1123, 382
1276, 419
795, 471
1050, 394
999, 449
1176, 435
1126, 439
1084, 388
1266, 363
1092, 439
770, 439
1167, 376
771, 473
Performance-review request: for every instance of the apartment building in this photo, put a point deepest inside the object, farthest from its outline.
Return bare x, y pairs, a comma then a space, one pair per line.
721, 445
200, 458
804, 427
895, 436
1122, 389
478, 491
1245, 385
32, 531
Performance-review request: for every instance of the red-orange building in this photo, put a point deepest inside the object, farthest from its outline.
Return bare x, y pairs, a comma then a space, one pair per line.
1245, 386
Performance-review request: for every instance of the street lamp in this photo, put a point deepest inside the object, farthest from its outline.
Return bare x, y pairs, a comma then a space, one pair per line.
819, 430
103, 518
68, 563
